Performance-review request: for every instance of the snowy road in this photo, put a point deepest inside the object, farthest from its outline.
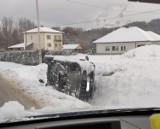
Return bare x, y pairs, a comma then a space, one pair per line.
9, 93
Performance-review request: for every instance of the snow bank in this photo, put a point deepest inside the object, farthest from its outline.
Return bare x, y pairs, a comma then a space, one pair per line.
121, 82
27, 78
11, 111
128, 82
144, 52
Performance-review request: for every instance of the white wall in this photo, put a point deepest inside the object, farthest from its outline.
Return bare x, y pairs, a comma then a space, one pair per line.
101, 48
33, 38
54, 47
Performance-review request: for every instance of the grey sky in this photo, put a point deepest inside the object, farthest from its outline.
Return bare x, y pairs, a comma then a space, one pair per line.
56, 12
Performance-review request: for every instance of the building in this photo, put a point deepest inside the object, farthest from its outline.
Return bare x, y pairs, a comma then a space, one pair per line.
50, 39
73, 48
21, 47
124, 39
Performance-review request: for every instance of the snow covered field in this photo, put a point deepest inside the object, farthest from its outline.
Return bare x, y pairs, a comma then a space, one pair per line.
130, 80
126, 81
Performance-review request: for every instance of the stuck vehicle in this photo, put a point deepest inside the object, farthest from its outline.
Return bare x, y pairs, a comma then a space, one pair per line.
73, 75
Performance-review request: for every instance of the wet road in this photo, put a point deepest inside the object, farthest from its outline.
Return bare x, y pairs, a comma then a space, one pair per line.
8, 92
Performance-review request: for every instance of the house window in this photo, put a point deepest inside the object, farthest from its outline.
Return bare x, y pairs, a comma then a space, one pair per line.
48, 36
55, 45
49, 45
115, 48
123, 48
57, 38
107, 48
140, 45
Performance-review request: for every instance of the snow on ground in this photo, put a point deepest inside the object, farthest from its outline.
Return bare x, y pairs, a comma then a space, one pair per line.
127, 81
130, 80
26, 78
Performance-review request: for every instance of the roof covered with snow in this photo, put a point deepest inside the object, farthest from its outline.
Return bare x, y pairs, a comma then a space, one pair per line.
70, 46
43, 30
131, 34
20, 45
153, 35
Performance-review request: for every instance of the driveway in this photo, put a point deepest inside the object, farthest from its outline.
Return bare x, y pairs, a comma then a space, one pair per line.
8, 92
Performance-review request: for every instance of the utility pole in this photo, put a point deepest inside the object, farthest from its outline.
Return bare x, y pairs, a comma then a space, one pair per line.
39, 40
25, 44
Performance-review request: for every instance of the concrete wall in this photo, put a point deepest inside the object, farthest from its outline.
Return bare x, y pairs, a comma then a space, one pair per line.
101, 47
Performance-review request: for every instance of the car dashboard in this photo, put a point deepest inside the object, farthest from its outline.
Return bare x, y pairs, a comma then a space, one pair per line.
98, 119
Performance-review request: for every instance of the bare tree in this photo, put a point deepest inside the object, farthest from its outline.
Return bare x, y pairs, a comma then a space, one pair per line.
7, 31
24, 24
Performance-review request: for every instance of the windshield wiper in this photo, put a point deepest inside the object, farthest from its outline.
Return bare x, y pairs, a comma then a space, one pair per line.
102, 112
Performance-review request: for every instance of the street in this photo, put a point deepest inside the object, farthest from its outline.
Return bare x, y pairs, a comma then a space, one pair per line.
8, 92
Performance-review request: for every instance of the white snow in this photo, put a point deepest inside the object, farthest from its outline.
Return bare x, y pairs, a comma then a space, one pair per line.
43, 29
20, 45
70, 46
127, 81
130, 34
154, 35
80, 59
11, 111
26, 79
145, 52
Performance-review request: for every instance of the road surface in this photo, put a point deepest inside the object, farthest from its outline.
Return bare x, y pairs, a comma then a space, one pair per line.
8, 92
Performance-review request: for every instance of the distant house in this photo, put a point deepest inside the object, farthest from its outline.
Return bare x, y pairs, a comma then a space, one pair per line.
72, 48
124, 39
21, 46
49, 40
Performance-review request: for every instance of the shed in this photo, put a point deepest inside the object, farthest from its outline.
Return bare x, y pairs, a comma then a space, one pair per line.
20, 46
73, 48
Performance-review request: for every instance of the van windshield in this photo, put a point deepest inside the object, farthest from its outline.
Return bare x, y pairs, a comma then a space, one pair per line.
70, 55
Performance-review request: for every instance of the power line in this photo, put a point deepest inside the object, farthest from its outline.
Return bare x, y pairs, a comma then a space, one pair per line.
91, 5
111, 18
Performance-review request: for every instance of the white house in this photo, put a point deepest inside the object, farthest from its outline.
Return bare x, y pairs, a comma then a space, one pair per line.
73, 48
49, 40
124, 39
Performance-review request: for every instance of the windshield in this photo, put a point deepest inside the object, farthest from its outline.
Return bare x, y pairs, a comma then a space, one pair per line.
76, 55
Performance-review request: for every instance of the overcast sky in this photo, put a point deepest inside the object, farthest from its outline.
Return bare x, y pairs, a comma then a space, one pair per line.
59, 12
56, 12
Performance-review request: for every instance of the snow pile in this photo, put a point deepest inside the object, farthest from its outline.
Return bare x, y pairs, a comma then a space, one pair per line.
144, 52
128, 82
121, 82
26, 79
11, 111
